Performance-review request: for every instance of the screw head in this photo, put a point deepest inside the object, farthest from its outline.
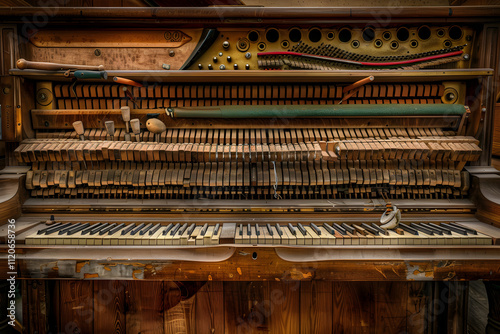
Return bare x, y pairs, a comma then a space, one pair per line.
248, 55
171, 53
97, 52
225, 44
222, 67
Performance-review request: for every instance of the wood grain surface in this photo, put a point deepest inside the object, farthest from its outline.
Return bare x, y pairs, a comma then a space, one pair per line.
246, 307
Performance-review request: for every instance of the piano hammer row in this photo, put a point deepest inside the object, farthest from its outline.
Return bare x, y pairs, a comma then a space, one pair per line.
242, 193
244, 174
253, 136
432, 148
248, 92
155, 103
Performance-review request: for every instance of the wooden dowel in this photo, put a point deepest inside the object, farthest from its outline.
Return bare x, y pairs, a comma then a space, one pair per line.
129, 82
25, 64
358, 83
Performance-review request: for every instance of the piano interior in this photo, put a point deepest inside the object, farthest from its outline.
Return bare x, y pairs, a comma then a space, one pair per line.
249, 169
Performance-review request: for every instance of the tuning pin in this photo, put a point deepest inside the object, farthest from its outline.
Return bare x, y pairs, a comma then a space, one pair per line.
156, 126
126, 119
78, 126
110, 127
136, 128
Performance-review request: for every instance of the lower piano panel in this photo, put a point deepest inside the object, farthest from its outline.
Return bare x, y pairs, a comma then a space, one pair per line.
245, 307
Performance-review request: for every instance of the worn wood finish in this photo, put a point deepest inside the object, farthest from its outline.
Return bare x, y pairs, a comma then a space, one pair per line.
145, 58
316, 307
76, 306
486, 193
109, 307
11, 197
144, 305
256, 307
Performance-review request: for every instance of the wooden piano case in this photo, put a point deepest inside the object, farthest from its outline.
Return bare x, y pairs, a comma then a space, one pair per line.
344, 130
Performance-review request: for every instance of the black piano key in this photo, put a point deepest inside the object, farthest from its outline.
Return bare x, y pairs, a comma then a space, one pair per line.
339, 229
154, 229
183, 228
241, 229
348, 228
454, 229
176, 228
379, 229
257, 231
249, 229
302, 229
67, 228
167, 229
437, 227
98, 228
292, 229
78, 229
370, 229
433, 229
216, 229
408, 229
329, 229
90, 228
57, 228
128, 229
278, 229
269, 229
468, 230
146, 229
315, 229
107, 228
137, 229
422, 228
191, 229
48, 228
116, 229
204, 229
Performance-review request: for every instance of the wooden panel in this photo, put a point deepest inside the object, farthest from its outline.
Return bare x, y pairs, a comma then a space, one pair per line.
418, 302
316, 307
496, 131
175, 311
76, 307
285, 297
109, 306
144, 305
247, 307
209, 308
378, 307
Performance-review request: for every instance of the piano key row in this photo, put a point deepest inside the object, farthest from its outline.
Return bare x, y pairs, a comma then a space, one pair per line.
359, 234
126, 234
285, 234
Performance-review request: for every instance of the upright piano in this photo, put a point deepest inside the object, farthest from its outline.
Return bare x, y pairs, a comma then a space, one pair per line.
247, 169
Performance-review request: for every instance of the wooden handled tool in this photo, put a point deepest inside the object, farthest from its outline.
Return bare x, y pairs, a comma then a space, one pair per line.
136, 128
129, 82
110, 127
78, 126
25, 64
156, 126
126, 119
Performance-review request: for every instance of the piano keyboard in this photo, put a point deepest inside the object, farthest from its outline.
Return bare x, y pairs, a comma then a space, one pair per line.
191, 234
